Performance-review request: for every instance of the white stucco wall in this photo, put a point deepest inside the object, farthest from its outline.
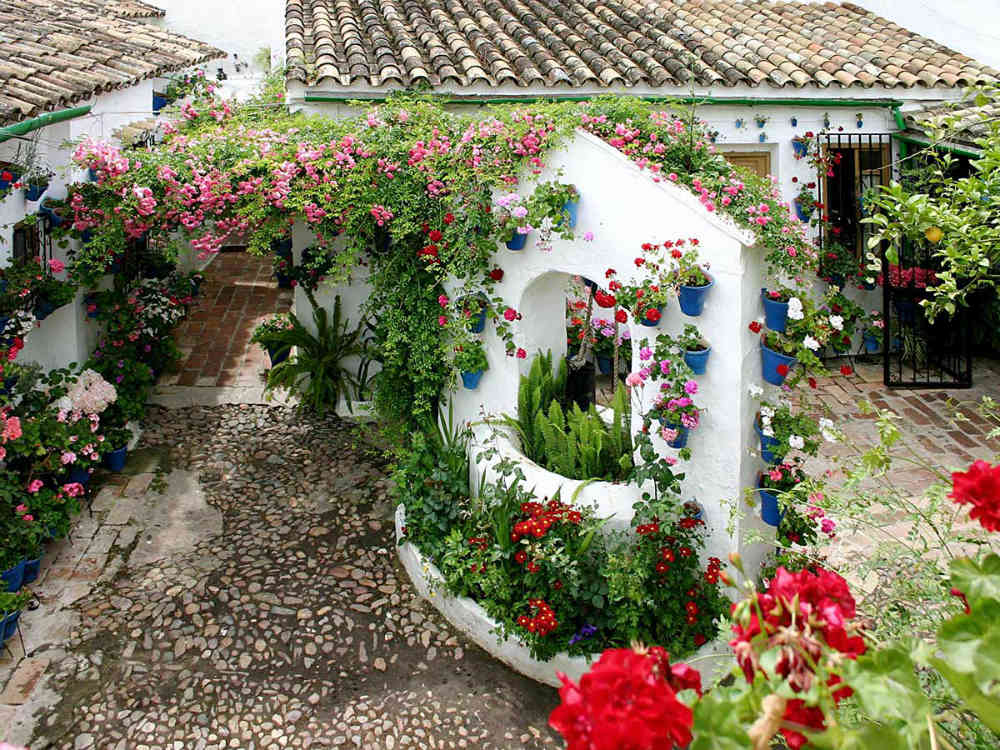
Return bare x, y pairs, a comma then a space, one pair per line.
67, 335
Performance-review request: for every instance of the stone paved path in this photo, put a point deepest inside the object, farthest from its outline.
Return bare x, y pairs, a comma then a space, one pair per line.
238, 292
289, 625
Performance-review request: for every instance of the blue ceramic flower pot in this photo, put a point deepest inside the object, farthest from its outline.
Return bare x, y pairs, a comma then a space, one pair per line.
31, 570
79, 475
115, 460
477, 322
604, 365
697, 361
769, 511
692, 298
282, 248
770, 360
775, 313
801, 148
284, 280
159, 102
91, 174
801, 211
837, 280
13, 577
871, 343
7, 384
767, 444
8, 625
682, 434
278, 355
517, 241
34, 192
570, 210
652, 323
471, 379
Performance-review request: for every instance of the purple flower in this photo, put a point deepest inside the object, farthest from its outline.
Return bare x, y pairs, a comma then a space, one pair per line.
119, 379
121, 362
587, 631
645, 353
691, 387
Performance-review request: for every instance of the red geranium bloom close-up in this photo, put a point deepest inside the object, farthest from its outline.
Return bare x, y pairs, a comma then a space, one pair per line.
653, 315
603, 299
628, 699
782, 370
496, 274
621, 316
979, 487
846, 370
755, 326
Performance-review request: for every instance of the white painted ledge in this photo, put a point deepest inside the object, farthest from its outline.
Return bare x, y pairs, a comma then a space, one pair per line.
713, 659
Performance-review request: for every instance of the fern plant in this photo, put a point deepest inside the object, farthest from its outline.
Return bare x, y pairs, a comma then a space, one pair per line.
316, 374
537, 390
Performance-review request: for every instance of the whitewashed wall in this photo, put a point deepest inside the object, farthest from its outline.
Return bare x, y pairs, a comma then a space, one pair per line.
624, 208
67, 335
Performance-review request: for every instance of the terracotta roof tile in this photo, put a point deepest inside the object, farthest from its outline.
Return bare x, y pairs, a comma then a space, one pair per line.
611, 43
62, 52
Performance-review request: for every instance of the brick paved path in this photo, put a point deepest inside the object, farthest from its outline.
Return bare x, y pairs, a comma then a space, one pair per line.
926, 420
239, 291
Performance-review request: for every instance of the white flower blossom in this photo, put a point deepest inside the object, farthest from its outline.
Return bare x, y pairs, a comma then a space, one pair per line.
796, 442
767, 411
755, 391
767, 431
826, 428
795, 309
810, 343
837, 322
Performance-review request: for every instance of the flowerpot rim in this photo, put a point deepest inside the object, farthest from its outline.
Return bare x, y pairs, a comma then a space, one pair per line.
711, 282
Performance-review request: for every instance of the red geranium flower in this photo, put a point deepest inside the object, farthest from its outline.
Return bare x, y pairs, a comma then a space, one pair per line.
627, 700
639, 261
621, 316
980, 488
782, 370
676, 254
846, 370
449, 218
812, 382
496, 274
653, 315
603, 299
435, 235
521, 354
755, 326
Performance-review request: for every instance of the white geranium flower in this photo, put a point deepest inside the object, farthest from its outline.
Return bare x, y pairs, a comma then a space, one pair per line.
810, 343
755, 391
837, 322
767, 431
767, 412
795, 309
796, 442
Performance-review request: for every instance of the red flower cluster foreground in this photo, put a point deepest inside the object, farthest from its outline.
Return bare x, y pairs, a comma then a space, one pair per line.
628, 699
979, 487
801, 612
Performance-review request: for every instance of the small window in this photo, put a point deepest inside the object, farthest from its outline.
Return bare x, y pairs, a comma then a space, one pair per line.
758, 162
25, 244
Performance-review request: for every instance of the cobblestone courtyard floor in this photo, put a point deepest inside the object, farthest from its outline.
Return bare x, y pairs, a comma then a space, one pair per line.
290, 624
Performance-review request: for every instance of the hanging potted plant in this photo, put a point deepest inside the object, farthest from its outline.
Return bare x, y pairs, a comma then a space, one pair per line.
696, 349
557, 202
839, 320
675, 408
603, 341
36, 181
471, 360
775, 481
837, 263
805, 202
874, 332
691, 279
781, 430
50, 293
776, 307
271, 335
800, 146
778, 356
474, 310
513, 220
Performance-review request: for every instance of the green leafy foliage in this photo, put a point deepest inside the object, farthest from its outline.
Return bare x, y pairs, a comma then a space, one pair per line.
317, 372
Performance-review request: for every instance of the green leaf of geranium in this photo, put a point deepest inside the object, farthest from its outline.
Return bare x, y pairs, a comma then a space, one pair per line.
979, 580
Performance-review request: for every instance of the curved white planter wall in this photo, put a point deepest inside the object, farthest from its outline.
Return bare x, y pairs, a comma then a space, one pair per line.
712, 659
